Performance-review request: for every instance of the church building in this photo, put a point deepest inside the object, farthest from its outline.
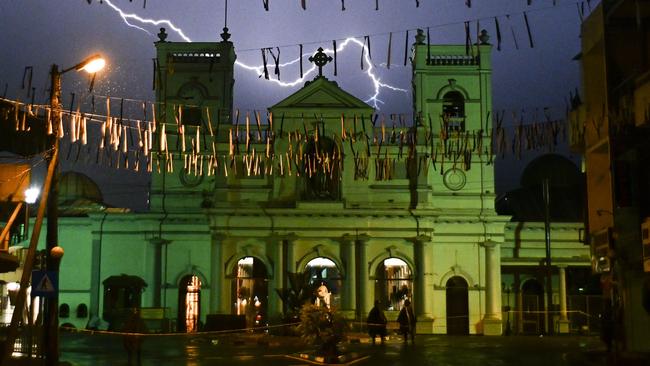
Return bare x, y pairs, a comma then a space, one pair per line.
372, 207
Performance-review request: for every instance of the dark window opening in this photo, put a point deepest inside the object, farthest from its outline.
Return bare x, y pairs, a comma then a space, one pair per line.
453, 111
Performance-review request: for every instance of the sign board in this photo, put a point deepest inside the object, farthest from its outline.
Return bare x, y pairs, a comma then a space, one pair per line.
45, 283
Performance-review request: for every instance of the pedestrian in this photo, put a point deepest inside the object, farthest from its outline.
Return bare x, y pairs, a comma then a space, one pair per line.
377, 323
406, 320
134, 327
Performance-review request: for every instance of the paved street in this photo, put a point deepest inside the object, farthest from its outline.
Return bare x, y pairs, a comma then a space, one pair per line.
85, 349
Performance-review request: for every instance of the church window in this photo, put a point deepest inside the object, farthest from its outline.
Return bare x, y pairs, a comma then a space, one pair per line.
321, 170
250, 291
324, 272
453, 111
393, 283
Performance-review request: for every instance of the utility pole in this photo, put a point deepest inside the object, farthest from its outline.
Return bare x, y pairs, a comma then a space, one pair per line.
51, 316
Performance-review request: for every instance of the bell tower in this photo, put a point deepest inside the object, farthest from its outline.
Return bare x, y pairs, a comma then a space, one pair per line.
194, 91
452, 95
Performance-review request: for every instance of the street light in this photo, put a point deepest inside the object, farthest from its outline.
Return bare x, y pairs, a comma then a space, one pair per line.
91, 65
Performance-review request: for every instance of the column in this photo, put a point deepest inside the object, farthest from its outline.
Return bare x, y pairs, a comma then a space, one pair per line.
155, 266
422, 298
217, 289
492, 323
349, 283
563, 322
275, 247
363, 296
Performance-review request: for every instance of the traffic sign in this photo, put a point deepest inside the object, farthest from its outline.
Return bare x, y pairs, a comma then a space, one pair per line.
45, 283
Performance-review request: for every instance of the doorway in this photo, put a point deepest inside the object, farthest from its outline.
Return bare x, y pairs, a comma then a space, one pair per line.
457, 306
532, 304
189, 304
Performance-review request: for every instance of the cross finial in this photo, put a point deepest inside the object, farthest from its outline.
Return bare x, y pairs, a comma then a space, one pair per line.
320, 59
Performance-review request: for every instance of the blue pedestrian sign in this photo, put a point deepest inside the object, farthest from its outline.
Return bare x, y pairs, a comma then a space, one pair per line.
45, 283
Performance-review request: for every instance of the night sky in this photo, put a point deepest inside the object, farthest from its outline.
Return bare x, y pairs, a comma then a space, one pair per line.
39, 33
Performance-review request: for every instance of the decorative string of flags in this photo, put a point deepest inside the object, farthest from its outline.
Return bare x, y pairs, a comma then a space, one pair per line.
261, 145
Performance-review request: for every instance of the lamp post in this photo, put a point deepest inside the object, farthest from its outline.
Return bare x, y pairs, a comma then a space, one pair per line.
53, 252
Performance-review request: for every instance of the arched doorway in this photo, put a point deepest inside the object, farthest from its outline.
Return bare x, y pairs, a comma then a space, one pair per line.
189, 304
323, 271
250, 291
532, 306
457, 306
393, 284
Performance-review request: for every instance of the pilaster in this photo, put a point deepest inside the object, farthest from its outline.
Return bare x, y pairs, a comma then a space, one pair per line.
492, 322
563, 322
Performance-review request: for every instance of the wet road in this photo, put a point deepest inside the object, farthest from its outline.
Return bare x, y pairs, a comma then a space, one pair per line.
86, 349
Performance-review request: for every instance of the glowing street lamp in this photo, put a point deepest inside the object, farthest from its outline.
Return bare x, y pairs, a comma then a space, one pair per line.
31, 194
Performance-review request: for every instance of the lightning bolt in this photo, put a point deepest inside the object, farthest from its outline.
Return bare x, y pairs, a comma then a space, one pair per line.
376, 81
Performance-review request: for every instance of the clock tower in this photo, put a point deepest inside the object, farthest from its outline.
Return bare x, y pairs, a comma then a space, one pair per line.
194, 95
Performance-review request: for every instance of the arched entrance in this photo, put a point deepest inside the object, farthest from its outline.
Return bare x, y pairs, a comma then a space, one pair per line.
532, 306
250, 291
189, 301
393, 283
457, 306
323, 271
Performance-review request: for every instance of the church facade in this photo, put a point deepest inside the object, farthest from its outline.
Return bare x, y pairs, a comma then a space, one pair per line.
373, 208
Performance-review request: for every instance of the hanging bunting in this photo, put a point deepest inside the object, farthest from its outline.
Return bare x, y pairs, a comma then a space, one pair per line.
390, 42
266, 4
468, 3
581, 11
428, 46
406, 47
303, 3
27, 73
266, 70
376, 4
530, 37
155, 66
367, 40
417, 3
342, 5
498, 30
363, 51
276, 61
335, 61
301, 75
467, 38
512, 30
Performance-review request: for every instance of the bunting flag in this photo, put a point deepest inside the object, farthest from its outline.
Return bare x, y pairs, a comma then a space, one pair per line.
303, 3
390, 42
406, 47
264, 65
342, 5
530, 37
498, 30
512, 30
335, 59
301, 74
265, 3
124, 143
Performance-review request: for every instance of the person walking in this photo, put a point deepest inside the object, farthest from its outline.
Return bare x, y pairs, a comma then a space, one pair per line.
377, 323
406, 320
134, 327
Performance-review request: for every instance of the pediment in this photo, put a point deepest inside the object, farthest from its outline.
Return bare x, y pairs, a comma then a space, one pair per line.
321, 93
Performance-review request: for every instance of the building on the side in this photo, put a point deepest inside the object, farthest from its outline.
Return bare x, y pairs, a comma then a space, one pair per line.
610, 127
372, 207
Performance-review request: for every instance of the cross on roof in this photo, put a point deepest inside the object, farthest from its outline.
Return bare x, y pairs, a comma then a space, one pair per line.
320, 59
